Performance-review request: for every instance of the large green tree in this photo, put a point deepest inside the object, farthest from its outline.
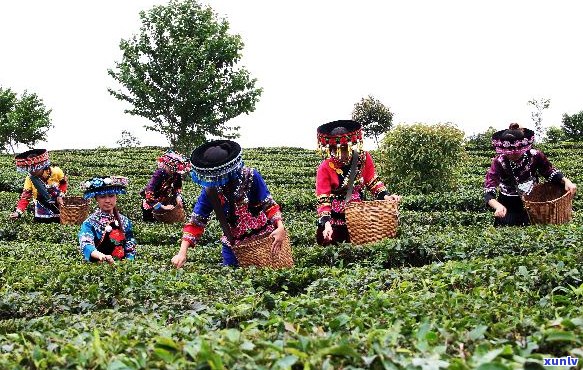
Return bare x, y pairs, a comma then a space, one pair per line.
374, 116
23, 120
182, 73
573, 126
555, 134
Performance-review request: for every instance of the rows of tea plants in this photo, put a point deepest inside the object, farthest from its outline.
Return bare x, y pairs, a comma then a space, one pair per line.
450, 291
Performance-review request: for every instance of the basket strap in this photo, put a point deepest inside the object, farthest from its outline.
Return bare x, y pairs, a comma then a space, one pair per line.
43, 196
352, 176
211, 192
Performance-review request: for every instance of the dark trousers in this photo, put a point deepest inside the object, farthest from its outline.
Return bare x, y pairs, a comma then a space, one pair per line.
48, 220
148, 215
339, 235
515, 213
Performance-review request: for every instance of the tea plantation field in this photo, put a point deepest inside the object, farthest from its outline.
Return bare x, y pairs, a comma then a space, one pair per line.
449, 292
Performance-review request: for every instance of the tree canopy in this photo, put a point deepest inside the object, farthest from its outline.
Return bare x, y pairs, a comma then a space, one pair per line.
573, 126
181, 71
375, 118
23, 120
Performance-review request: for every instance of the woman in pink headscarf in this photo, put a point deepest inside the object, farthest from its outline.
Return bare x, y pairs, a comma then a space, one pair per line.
164, 190
515, 170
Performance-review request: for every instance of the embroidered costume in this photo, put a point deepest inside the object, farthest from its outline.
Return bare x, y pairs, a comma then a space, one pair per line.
43, 188
515, 178
249, 208
165, 185
108, 233
333, 176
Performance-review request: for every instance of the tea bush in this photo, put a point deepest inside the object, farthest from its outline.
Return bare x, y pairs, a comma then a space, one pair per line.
450, 291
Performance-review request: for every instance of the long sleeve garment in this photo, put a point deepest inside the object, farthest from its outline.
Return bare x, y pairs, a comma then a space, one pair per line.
249, 208
54, 186
162, 189
518, 177
101, 231
332, 186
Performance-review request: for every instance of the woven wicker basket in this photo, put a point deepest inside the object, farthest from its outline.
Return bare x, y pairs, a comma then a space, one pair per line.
549, 203
371, 221
169, 217
258, 253
74, 210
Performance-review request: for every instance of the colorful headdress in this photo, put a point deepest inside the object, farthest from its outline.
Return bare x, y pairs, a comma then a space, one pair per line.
32, 160
175, 161
331, 135
104, 185
216, 163
514, 140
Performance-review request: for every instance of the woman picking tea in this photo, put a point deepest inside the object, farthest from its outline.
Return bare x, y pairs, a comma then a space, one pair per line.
515, 170
250, 211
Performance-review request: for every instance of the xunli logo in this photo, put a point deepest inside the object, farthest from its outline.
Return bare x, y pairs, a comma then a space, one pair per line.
561, 361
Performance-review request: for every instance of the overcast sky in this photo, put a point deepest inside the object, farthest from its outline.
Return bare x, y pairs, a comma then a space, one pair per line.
471, 63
